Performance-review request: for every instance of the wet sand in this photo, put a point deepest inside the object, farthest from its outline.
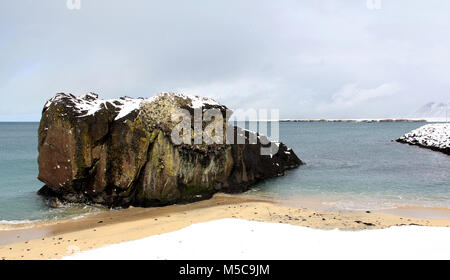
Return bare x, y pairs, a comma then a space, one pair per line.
53, 240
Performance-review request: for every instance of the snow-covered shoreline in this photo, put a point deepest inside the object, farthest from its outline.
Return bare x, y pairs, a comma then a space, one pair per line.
431, 136
242, 239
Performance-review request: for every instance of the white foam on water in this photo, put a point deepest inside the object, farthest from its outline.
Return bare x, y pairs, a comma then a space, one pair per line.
15, 222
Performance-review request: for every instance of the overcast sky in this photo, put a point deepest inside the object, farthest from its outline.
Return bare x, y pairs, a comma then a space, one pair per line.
310, 59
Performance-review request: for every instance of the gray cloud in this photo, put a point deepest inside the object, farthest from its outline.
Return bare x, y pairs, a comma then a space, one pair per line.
310, 59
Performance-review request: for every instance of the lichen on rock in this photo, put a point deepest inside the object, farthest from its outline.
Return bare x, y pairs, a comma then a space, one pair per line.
119, 152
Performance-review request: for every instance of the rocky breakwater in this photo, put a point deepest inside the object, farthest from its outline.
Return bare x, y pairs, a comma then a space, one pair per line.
431, 136
122, 152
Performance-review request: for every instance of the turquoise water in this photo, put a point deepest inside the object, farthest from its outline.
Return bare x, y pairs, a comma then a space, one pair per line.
18, 184
356, 166
349, 166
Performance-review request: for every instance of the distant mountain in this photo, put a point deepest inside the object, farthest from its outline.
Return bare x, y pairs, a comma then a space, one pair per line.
433, 110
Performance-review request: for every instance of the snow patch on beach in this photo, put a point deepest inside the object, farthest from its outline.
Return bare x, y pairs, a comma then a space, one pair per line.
430, 135
240, 239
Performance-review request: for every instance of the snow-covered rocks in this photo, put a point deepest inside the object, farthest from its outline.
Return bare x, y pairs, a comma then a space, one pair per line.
89, 104
431, 136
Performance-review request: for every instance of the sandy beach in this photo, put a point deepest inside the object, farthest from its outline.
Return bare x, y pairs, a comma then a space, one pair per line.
54, 240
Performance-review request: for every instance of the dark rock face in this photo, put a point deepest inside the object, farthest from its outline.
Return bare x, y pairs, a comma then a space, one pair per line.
120, 153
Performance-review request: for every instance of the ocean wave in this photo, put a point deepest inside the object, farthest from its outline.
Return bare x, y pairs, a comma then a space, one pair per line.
6, 225
16, 222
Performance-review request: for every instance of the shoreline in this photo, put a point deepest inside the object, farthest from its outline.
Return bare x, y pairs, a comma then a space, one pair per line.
55, 239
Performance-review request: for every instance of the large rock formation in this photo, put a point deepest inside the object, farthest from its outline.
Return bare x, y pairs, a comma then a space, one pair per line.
431, 136
120, 152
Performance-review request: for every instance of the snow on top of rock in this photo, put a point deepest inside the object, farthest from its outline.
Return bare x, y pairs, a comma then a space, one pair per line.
88, 104
430, 135
196, 101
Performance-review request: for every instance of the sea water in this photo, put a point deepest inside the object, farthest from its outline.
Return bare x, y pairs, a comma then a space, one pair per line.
350, 166
18, 178
358, 166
